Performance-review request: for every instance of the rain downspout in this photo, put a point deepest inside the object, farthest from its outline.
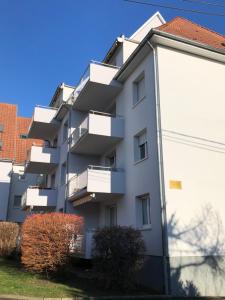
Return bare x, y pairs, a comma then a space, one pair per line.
166, 267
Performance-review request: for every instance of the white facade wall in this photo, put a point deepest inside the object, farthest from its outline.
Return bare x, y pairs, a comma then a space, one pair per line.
18, 187
193, 144
5, 175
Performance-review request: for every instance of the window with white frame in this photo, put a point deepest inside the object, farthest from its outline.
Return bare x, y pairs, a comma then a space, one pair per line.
111, 216
140, 146
139, 89
144, 211
17, 201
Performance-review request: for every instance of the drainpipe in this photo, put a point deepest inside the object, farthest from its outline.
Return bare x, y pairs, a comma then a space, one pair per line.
67, 161
166, 266
9, 196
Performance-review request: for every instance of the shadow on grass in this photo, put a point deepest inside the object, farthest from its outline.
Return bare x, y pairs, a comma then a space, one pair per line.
81, 275
15, 280
74, 280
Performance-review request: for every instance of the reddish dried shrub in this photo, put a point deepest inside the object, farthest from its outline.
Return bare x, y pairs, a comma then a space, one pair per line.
8, 237
46, 240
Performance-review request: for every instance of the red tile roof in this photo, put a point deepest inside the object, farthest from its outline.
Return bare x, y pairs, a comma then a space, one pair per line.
23, 145
14, 147
192, 31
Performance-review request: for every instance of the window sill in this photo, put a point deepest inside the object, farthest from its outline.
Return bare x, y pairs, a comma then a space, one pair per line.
140, 160
139, 101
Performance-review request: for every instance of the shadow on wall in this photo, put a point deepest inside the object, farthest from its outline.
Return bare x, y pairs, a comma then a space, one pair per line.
200, 268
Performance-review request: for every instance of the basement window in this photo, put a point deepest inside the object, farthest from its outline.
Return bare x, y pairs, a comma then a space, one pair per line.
1, 145
1, 127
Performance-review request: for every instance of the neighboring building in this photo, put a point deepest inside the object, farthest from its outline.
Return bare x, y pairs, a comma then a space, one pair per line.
14, 145
140, 142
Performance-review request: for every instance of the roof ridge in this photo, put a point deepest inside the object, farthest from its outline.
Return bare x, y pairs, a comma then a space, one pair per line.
26, 118
196, 24
167, 23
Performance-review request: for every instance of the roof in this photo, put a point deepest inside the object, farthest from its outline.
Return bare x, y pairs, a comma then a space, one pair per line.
192, 31
14, 147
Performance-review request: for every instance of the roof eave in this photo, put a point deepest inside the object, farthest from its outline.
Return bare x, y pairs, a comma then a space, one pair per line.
155, 32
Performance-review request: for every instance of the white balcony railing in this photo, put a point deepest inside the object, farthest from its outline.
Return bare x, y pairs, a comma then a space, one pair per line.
97, 83
97, 179
87, 74
43, 125
42, 160
39, 197
101, 131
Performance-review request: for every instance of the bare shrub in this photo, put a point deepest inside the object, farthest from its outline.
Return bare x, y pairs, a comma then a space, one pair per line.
46, 240
8, 237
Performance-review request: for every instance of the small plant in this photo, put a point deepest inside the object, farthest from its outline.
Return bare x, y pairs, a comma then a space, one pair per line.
8, 238
46, 240
118, 254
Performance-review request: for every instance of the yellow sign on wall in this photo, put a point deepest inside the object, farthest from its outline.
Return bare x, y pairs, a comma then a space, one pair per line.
175, 184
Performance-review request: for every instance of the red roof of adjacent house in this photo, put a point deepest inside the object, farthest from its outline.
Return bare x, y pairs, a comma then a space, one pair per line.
192, 31
14, 146
23, 144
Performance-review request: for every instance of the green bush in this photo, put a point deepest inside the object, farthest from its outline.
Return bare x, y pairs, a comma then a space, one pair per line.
118, 254
8, 238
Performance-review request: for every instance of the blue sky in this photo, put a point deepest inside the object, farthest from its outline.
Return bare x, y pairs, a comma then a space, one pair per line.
45, 42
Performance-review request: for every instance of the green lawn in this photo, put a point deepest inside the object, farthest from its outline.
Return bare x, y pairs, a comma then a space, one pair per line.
15, 281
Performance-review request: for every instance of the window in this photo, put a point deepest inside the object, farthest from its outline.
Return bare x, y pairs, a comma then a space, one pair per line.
17, 201
1, 145
55, 142
22, 176
53, 180
63, 174
65, 131
139, 89
140, 146
23, 136
144, 213
111, 216
1, 127
110, 160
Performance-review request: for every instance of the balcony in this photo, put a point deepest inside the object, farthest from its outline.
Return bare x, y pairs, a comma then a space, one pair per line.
96, 183
97, 87
97, 133
39, 198
43, 125
42, 160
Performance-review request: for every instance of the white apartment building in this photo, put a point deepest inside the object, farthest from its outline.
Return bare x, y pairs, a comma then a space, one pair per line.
140, 142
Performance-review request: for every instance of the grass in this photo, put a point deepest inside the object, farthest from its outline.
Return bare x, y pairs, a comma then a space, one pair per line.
14, 280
